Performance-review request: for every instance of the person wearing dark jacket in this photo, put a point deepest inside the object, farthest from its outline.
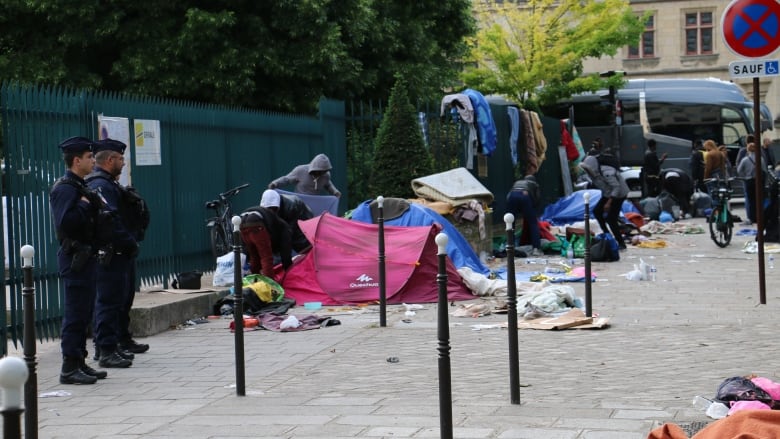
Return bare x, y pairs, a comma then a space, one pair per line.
522, 201
696, 165
116, 258
75, 212
604, 171
265, 236
651, 170
290, 208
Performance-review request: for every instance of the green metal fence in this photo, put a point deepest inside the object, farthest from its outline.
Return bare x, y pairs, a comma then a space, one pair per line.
204, 150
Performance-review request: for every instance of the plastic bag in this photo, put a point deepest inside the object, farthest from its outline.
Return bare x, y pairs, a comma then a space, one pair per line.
290, 322
223, 275
741, 389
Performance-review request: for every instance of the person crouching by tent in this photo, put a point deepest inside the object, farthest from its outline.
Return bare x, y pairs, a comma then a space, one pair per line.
267, 240
290, 208
521, 201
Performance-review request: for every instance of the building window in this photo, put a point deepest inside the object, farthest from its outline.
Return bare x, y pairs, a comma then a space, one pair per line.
698, 33
646, 47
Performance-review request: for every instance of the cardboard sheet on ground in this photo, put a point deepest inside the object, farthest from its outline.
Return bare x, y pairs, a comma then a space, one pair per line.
573, 319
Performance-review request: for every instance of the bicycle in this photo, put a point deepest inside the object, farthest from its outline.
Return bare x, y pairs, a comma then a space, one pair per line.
721, 220
220, 226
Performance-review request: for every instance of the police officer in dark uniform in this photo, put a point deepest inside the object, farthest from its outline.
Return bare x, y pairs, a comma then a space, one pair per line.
134, 210
115, 258
75, 211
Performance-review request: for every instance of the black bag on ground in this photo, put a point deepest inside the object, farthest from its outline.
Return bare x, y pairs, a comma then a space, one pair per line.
604, 248
741, 389
189, 280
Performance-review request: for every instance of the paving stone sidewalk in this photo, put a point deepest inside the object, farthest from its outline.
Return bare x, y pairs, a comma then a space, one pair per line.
669, 340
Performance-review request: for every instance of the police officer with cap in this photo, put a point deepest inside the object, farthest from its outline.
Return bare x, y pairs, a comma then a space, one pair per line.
114, 258
75, 212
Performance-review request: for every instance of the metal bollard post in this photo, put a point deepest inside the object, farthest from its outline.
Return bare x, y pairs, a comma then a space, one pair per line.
445, 378
13, 373
588, 298
511, 307
31, 386
238, 307
380, 200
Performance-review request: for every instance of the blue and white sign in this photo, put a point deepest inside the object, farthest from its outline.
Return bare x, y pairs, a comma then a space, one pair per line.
754, 69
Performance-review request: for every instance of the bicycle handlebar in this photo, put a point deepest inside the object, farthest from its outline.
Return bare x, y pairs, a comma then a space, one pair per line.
232, 192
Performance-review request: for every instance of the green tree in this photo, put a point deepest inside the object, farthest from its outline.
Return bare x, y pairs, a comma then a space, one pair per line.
279, 55
399, 151
521, 47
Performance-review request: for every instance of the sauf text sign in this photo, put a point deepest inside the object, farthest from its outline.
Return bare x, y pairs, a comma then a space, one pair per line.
754, 69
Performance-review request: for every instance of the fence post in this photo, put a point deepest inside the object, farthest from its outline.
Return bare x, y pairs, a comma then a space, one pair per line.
31, 386
238, 307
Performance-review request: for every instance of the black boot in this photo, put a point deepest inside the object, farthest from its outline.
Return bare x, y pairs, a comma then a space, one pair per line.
133, 346
124, 354
71, 372
110, 358
99, 374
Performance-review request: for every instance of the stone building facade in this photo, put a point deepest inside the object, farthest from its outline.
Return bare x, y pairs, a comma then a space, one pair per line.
683, 39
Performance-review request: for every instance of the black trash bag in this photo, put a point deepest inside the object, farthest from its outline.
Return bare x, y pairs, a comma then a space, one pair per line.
741, 389
189, 280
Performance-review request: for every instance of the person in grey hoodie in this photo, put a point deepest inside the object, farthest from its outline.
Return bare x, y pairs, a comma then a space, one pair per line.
311, 178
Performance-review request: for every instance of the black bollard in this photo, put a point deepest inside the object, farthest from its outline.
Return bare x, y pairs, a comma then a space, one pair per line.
445, 377
588, 298
511, 308
238, 307
13, 373
31, 385
380, 200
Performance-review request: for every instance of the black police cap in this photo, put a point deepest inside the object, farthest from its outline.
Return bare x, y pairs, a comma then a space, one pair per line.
109, 145
76, 145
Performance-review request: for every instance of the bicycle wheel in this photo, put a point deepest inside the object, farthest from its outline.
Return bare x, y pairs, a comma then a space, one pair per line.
220, 243
721, 226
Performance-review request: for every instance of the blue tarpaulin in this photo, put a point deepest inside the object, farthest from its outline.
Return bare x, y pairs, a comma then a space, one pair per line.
571, 209
458, 249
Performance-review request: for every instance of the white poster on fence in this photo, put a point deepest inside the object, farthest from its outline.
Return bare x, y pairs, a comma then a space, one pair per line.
147, 142
117, 128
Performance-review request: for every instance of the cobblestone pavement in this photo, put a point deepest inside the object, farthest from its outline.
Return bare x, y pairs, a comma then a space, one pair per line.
669, 340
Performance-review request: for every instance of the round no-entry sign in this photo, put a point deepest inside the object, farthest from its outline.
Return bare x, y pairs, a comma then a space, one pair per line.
751, 28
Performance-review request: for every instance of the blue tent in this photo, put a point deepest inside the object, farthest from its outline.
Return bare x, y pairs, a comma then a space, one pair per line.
571, 209
458, 249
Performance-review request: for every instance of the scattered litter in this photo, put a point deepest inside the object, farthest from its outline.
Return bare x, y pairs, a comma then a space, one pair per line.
290, 322
407, 320
472, 310
54, 394
393, 359
481, 327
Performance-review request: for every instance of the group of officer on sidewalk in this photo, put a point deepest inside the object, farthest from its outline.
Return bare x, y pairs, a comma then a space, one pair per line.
99, 223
